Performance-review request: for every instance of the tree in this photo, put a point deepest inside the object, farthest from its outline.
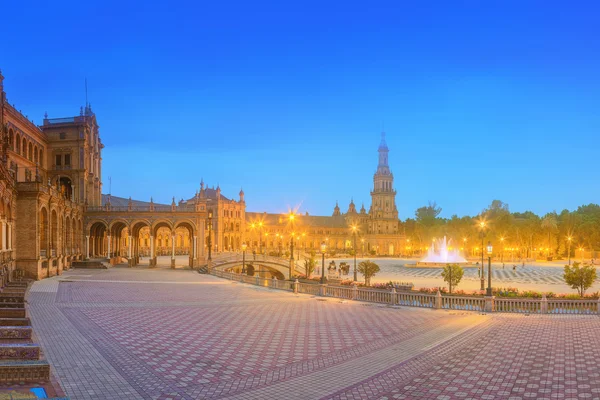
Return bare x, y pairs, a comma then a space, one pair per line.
309, 265
549, 224
368, 268
452, 274
580, 277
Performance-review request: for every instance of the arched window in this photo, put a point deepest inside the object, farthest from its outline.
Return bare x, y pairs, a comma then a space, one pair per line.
35, 154
30, 151
24, 148
11, 139
18, 150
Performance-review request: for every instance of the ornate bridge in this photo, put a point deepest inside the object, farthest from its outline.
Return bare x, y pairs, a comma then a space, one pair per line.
262, 264
113, 232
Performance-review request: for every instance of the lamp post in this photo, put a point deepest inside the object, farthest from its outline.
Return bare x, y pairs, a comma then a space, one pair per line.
569, 238
502, 249
363, 247
260, 226
298, 248
323, 250
244, 246
292, 217
482, 274
354, 228
489, 251
581, 252
210, 215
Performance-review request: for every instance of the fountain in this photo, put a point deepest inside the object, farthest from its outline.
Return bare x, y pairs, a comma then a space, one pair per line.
439, 255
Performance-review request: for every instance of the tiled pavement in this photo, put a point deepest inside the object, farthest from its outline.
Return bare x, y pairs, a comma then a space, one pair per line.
163, 334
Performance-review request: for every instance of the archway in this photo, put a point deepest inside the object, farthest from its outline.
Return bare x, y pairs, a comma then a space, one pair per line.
118, 241
163, 232
141, 243
187, 229
96, 246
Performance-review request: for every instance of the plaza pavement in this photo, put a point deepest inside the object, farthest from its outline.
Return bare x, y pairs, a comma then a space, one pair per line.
174, 334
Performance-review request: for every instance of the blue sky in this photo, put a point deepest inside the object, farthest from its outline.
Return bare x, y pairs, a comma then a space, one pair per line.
480, 100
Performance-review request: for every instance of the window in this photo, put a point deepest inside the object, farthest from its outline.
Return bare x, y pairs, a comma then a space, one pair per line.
58, 160
67, 159
62, 135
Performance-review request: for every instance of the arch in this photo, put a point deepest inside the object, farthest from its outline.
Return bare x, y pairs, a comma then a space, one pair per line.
35, 154
112, 224
11, 139
163, 223
44, 232
18, 144
53, 235
24, 147
30, 151
97, 241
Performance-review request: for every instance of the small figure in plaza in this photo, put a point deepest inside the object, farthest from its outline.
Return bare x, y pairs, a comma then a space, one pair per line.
502, 265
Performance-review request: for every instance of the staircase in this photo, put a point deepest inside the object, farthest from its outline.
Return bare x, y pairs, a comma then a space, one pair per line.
22, 367
97, 263
203, 269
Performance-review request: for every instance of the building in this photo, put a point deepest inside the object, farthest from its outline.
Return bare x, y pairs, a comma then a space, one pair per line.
53, 212
375, 232
49, 173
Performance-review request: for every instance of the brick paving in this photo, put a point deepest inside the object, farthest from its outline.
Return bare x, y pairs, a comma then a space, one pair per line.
164, 334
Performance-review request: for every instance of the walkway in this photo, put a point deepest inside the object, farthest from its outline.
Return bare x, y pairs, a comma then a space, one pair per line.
174, 334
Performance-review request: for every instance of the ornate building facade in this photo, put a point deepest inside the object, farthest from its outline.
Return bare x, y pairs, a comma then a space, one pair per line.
53, 212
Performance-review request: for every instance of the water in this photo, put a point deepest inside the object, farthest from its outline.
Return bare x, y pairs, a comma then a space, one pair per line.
443, 255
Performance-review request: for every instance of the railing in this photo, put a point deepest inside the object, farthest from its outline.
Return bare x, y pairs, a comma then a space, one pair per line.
374, 296
157, 208
424, 300
341, 292
525, 306
463, 303
415, 299
558, 306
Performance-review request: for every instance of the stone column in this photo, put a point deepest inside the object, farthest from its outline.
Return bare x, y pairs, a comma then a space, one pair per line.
4, 237
151, 250
10, 230
489, 303
87, 247
129, 242
195, 248
109, 245
173, 251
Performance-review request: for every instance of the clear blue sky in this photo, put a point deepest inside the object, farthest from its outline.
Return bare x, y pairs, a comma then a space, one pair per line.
480, 100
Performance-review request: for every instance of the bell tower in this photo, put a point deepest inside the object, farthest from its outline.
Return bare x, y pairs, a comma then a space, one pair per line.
383, 212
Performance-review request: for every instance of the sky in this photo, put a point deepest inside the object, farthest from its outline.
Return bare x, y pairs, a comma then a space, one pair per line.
479, 100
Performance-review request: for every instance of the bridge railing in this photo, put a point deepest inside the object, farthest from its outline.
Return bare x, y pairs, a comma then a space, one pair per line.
424, 300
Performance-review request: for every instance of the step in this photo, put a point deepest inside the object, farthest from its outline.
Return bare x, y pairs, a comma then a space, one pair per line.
20, 291
15, 322
19, 351
96, 264
24, 371
15, 332
12, 313
12, 305
12, 298
17, 284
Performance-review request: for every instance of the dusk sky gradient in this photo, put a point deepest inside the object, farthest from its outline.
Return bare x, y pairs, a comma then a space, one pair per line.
480, 100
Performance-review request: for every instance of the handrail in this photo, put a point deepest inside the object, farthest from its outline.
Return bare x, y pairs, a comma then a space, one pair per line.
416, 299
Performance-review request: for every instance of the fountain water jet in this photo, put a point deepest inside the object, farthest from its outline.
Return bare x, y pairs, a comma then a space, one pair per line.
438, 255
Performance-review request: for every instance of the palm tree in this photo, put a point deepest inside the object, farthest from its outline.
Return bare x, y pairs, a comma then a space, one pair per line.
549, 223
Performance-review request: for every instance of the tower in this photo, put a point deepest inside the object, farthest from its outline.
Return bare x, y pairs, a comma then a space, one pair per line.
383, 212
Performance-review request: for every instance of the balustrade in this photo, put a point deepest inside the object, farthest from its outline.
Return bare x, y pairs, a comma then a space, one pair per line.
463, 303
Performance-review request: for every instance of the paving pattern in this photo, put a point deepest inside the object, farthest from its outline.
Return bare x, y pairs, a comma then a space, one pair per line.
174, 334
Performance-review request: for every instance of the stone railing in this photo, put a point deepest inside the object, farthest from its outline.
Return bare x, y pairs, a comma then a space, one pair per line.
424, 300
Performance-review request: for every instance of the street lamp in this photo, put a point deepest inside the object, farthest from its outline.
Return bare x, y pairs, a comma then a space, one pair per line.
244, 246
260, 226
569, 238
323, 250
581, 252
482, 270
363, 247
489, 251
354, 229
292, 217
210, 215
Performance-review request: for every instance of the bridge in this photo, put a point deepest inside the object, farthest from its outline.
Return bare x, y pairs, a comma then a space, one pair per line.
263, 265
